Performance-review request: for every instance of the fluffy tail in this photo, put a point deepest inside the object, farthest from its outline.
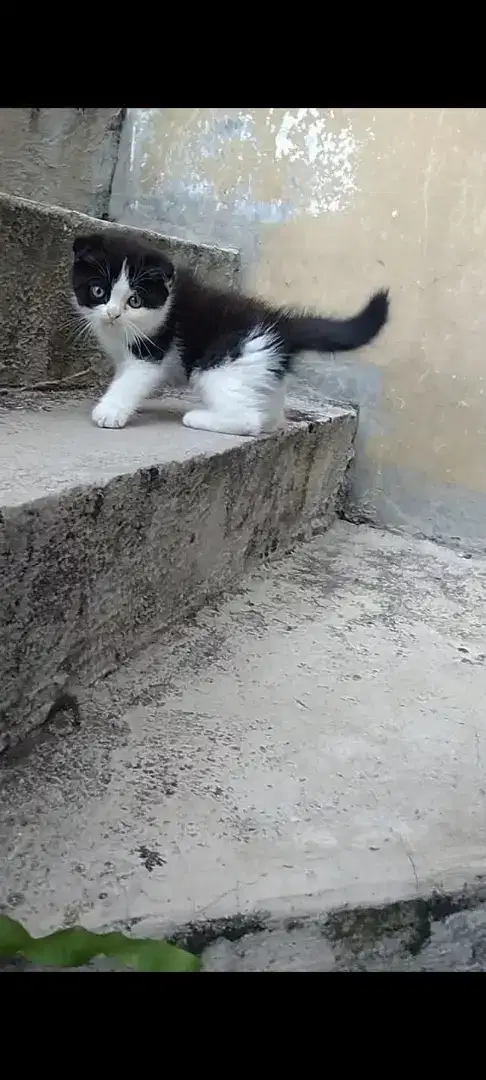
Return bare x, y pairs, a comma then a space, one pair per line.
338, 335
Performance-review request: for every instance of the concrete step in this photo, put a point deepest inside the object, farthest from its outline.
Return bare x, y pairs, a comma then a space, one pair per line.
318, 740
107, 537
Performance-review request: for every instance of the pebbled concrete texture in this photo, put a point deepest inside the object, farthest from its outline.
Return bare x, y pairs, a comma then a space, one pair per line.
317, 740
37, 341
107, 537
440, 932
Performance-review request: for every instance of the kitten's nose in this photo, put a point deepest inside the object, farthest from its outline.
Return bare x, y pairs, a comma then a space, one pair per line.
112, 315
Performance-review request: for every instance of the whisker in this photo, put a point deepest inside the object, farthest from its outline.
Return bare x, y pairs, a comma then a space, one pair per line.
141, 336
82, 332
71, 319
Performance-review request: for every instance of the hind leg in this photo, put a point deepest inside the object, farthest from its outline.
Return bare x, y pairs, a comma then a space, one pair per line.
244, 394
207, 420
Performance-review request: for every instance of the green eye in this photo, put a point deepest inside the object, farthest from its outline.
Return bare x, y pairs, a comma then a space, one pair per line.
134, 300
97, 292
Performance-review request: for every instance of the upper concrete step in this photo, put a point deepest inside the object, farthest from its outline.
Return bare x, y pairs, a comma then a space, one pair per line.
107, 536
56, 447
37, 343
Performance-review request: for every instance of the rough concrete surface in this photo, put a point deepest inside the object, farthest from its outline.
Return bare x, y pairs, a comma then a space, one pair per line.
410, 936
316, 740
106, 536
61, 156
440, 932
38, 340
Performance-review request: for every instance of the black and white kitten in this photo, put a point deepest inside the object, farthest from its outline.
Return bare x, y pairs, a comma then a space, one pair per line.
160, 326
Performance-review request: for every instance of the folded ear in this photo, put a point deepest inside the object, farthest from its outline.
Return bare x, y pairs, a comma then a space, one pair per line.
157, 267
169, 272
82, 245
160, 266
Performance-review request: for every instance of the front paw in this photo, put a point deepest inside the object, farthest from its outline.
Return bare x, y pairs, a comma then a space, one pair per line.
108, 414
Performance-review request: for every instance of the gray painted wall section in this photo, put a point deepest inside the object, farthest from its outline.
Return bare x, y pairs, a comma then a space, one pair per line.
189, 210
389, 496
61, 156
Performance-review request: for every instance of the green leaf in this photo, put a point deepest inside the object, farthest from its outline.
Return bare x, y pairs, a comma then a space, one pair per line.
13, 937
76, 946
164, 957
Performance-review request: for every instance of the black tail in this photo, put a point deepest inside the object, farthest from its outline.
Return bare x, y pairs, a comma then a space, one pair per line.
338, 335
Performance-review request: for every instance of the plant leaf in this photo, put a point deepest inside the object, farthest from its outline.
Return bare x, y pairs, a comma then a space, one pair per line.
76, 946
13, 936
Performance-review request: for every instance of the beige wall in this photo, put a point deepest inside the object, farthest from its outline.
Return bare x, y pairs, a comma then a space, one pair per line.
327, 205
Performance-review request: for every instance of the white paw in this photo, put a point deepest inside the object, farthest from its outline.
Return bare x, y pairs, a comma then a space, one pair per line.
109, 414
197, 418
204, 420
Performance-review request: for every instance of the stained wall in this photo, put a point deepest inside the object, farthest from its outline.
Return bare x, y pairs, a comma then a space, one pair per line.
327, 205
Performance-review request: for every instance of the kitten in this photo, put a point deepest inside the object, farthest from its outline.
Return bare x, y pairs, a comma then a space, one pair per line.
160, 326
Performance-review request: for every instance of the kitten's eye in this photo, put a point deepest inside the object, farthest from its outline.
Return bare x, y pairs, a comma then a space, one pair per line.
134, 300
97, 292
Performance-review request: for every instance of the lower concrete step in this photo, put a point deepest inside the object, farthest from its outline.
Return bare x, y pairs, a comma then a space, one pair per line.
109, 536
314, 742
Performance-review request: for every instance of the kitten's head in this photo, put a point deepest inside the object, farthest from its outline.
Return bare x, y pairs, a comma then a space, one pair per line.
122, 285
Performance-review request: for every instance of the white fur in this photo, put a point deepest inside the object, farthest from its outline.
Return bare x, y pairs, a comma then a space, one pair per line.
117, 326
243, 396
133, 382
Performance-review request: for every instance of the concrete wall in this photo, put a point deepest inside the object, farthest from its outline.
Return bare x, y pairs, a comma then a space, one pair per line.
327, 205
61, 156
